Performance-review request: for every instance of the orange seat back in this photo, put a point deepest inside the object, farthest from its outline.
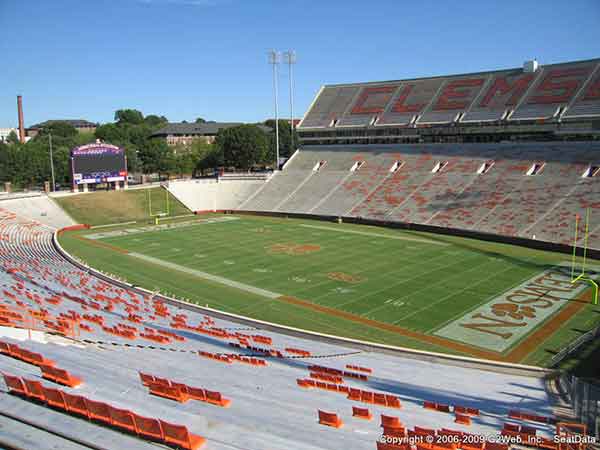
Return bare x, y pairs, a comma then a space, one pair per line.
175, 434
15, 384
122, 418
54, 397
182, 387
197, 393
379, 399
366, 396
14, 350
98, 411
148, 427
392, 401
76, 404
146, 379
34, 389
362, 413
330, 419
213, 396
390, 421
162, 381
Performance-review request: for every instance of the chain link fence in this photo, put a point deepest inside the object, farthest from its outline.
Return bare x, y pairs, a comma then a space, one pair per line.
574, 346
585, 398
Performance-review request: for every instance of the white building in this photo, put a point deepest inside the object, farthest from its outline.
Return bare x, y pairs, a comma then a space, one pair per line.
5, 132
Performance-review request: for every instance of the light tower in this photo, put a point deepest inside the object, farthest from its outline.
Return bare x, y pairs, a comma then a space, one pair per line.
274, 60
290, 60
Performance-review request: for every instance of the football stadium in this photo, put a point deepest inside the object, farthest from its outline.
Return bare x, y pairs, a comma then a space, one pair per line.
419, 273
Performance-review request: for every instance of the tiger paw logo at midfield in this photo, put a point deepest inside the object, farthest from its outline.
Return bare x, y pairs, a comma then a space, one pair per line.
293, 249
345, 277
513, 311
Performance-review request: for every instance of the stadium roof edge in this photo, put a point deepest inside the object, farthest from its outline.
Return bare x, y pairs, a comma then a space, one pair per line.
481, 72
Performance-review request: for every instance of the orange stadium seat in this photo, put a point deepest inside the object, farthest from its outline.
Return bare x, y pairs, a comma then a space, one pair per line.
392, 401
15, 384
122, 418
76, 404
148, 427
34, 389
146, 379
361, 413
390, 422
98, 411
54, 397
330, 419
217, 399
59, 376
170, 392
197, 393
180, 436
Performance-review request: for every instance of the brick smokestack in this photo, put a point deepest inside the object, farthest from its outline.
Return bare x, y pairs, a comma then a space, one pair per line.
21, 124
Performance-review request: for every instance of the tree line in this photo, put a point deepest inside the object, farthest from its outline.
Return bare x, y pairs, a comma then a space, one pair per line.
243, 147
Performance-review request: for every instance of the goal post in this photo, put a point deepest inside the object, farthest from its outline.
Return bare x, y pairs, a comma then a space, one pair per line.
157, 215
580, 275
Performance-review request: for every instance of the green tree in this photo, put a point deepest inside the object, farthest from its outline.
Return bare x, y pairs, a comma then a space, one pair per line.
60, 130
206, 156
153, 156
131, 116
13, 138
243, 146
285, 138
155, 121
200, 120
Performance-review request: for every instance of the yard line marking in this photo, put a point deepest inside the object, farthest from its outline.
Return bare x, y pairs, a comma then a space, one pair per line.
453, 293
394, 285
366, 233
208, 276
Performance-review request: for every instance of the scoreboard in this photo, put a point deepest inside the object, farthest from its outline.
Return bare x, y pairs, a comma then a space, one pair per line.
98, 163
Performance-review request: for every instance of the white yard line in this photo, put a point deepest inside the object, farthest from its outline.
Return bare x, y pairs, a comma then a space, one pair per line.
208, 276
366, 233
453, 293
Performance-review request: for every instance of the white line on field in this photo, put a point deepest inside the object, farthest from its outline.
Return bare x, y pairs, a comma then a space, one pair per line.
208, 276
366, 233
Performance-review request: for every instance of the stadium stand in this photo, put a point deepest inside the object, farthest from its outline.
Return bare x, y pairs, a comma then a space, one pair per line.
567, 89
483, 187
39, 207
213, 195
107, 336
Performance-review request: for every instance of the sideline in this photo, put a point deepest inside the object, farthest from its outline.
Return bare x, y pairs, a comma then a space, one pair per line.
207, 276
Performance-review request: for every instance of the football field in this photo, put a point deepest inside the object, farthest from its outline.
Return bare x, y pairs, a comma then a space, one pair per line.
399, 287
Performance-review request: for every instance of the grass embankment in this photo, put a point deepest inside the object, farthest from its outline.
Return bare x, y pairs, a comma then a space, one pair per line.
107, 207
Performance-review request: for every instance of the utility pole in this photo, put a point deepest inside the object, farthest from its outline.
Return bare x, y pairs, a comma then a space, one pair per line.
290, 59
274, 59
51, 161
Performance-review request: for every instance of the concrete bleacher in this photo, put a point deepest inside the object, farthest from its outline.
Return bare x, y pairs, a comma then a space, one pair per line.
112, 337
39, 207
503, 200
213, 195
335, 102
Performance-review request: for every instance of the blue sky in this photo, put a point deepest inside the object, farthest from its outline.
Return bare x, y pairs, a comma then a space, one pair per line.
208, 58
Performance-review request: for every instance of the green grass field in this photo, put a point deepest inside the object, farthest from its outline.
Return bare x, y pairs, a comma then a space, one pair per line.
416, 281
108, 207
